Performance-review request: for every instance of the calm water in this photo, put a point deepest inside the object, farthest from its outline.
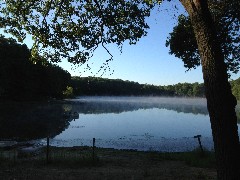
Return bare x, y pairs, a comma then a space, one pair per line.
142, 123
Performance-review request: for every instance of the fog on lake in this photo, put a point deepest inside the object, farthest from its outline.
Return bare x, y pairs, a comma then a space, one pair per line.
142, 123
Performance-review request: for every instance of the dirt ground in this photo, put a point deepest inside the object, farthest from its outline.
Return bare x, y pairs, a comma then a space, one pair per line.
110, 165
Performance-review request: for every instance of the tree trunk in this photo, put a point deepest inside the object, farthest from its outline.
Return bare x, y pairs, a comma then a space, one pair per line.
220, 101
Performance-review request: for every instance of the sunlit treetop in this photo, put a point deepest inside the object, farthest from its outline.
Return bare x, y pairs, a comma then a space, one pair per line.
73, 29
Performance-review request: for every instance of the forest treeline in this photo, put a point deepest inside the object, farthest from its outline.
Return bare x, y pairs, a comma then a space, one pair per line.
25, 78
116, 87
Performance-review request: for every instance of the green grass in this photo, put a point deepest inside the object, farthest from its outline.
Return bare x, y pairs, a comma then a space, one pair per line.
82, 157
66, 157
59, 157
193, 158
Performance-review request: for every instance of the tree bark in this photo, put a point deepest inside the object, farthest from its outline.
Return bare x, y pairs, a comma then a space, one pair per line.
220, 101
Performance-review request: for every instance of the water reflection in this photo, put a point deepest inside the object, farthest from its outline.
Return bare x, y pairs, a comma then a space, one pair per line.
143, 123
100, 105
144, 129
28, 121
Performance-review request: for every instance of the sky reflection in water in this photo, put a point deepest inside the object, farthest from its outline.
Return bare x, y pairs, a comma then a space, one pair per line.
143, 123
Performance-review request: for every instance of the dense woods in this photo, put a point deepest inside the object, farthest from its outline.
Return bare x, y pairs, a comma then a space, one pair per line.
102, 86
118, 87
25, 78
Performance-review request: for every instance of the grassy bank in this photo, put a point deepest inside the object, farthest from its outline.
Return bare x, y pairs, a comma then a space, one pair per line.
78, 163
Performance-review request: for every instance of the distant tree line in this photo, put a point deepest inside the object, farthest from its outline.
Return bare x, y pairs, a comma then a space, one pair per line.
23, 77
118, 87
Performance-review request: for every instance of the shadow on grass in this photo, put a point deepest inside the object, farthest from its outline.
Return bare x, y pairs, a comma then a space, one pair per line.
195, 158
58, 157
83, 157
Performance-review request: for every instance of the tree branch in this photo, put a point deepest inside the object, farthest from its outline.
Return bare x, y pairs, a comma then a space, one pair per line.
56, 14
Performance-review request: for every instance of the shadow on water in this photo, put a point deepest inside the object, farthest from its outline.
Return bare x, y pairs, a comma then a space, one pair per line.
30, 121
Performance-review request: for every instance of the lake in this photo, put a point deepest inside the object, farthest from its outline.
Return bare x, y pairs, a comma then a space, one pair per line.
141, 123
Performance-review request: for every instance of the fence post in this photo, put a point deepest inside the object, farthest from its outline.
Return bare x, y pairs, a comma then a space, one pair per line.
199, 141
14, 156
47, 153
93, 152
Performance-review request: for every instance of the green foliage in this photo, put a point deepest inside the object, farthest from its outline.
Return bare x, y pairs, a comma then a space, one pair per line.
20, 78
187, 89
235, 84
73, 29
236, 88
101, 86
226, 15
13, 65
68, 93
183, 44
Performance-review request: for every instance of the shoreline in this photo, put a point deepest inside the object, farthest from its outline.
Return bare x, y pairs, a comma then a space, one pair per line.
108, 163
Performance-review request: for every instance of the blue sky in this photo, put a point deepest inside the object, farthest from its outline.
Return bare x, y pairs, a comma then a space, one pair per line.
146, 62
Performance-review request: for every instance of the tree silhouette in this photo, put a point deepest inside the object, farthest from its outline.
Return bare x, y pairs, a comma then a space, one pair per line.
23, 79
226, 20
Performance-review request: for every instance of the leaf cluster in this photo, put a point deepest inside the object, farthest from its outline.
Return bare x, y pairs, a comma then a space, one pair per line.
73, 29
226, 17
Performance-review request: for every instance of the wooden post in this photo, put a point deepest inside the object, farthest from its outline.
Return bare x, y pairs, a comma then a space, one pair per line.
47, 153
93, 152
14, 156
199, 141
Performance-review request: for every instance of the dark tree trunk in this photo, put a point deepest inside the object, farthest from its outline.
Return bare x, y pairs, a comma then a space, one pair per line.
220, 101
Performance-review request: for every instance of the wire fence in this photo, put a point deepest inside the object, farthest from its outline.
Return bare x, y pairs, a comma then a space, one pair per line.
47, 153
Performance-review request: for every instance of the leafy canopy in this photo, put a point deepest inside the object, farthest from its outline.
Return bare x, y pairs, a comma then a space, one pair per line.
226, 15
73, 29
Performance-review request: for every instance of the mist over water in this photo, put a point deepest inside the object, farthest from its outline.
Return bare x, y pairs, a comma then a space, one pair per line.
143, 100
105, 104
142, 123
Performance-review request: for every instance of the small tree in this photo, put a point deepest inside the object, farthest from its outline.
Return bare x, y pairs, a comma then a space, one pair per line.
68, 93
